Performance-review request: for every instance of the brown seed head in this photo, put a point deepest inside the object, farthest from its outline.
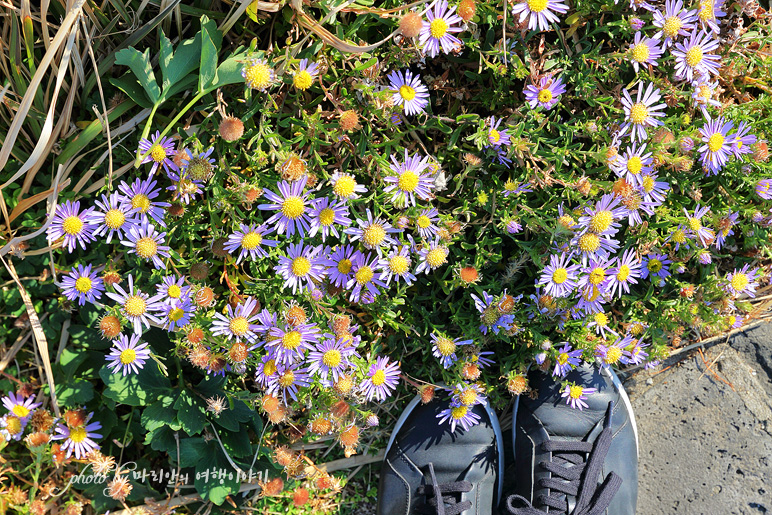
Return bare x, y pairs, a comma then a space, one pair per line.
325, 482
320, 426
251, 194
176, 210
295, 315
199, 356
111, 277
468, 275
195, 335
199, 271
278, 415
300, 497
273, 487
218, 247
16, 496
283, 456
340, 409
269, 403
349, 437
41, 420
341, 324
37, 439
517, 384
75, 417
204, 297
100, 463
470, 371
238, 352
760, 151
73, 508
427, 394
231, 128
349, 120
110, 327
410, 24
293, 169
466, 9
216, 363
583, 186
37, 507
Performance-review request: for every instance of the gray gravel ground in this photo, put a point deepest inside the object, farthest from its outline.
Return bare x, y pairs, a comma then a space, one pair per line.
706, 446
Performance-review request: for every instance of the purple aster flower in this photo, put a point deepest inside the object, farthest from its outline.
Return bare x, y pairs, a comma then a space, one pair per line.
289, 344
249, 241
136, 305
409, 180
339, 264
381, 380
724, 231
633, 163
147, 243
681, 236
409, 92
77, 227
426, 223
635, 4
433, 255
302, 267
566, 360
444, 348
694, 222
764, 189
78, 440
114, 216
734, 322
366, 276
704, 257
19, 406
708, 13
655, 265
306, 74
742, 281
374, 233
436, 33
636, 23
238, 324
185, 188
172, 289
612, 354
686, 145
635, 355
652, 189
497, 137
600, 322
742, 141
642, 113
258, 74
513, 227
140, 196
292, 206
397, 265
325, 214
602, 218
490, 316
547, 93
177, 314
595, 276
12, 427
717, 144
127, 355
635, 204
704, 95
468, 394
266, 369
693, 56
512, 188
675, 21
576, 395
540, 13
644, 51
593, 245
287, 380
332, 357
560, 277
458, 415
159, 151
82, 284
345, 186
199, 167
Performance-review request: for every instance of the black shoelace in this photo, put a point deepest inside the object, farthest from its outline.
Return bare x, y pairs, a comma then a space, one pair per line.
578, 479
442, 499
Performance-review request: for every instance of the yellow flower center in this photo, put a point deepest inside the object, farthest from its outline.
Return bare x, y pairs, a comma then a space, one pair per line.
559, 276
566, 221
146, 247
672, 26
438, 28
78, 434
301, 266
623, 273
293, 207
326, 216
589, 242
302, 80
408, 180
636, 329
562, 358
634, 164
364, 275
83, 284
732, 319
379, 377
640, 52
739, 281
446, 346
715, 142
468, 397
655, 265
706, 10
13, 425
135, 306
694, 224
458, 412
423, 221
545, 96
399, 264
494, 135
575, 392
258, 76
291, 340
648, 183
128, 356
142, 202
72, 225
613, 354
287, 379
537, 6
20, 411
406, 92
239, 326
601, 319
510, 185
344, 266
331, 358
374, 235
601, 221
269, 368
157, 153
706, 91
115, 218
694, 56
251, 240
436, 257
638, 113
597, 276
174, 291
344, 186
176, 314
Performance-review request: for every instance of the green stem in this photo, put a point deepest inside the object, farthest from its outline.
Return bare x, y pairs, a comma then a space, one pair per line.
145, 132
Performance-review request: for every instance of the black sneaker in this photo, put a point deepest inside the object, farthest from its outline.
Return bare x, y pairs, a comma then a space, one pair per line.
426, 463
570, 461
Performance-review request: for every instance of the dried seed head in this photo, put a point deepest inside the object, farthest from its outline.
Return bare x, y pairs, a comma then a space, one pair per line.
300, 497
73, 508
760, 151
472, 159
276, 416
340, 409
517, 384
179, 157
349, 120
216, 405
470, 371
238, 352
320, 426
199, 271
427, 394
100, 463
325, 482
204, 297
16, 496
119, 488
110, 327
37, 439
75, 417
466, 9
218, 247
273, 487
251, 194
199, 356
341, 324
583, 186
195, 335
410, 24
295, 315
664, 136
216, 364
231, 128
468, 275
344, 385
349, 437
111, 277
176, 210
311, 180
293, 168
269, 403
283, 456
37, 507
622, 188
26, 389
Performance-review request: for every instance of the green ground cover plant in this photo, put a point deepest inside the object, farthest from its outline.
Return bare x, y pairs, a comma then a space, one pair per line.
237, 238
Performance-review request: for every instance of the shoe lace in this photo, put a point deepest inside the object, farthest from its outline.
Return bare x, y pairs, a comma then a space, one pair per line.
572, 475
441, 499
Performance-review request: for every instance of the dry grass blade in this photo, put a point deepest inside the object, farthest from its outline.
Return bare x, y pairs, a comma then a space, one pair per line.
37, 331
28, 202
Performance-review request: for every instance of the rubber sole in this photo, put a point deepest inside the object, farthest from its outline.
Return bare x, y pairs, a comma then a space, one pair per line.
496, 430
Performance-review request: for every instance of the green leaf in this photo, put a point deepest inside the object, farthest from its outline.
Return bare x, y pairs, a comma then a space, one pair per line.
211, 487
165, 59
160, 413
191, 451
236, 443
139, 64
229, 71
76, 392
131, 87
190, 413
211, 39
184, 60
139, 389
162, 439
